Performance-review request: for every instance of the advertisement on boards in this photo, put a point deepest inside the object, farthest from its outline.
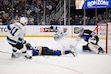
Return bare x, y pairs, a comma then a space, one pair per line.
45, 29
87, 4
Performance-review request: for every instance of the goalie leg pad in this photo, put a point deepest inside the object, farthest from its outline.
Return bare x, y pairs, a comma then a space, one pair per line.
95, 48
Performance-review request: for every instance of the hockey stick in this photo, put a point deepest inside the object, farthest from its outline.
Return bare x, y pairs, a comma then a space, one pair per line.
5, 52
77, 41
75, 48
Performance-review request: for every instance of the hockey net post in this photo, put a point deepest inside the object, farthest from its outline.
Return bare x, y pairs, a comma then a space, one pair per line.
104, 33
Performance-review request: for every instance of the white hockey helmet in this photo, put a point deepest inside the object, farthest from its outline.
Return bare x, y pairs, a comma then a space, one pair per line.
65, 29
23, 20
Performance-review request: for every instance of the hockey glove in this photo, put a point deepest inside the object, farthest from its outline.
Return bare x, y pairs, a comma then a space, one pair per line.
24, 41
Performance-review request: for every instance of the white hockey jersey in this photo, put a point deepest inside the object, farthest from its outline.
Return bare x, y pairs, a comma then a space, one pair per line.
16, 33
61, 32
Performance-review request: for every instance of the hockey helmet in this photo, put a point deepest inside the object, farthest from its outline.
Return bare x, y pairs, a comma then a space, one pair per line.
23, 20
65, 29
51, 27
28, 45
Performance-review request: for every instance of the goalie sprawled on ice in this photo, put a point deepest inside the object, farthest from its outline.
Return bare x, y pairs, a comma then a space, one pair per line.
92, 40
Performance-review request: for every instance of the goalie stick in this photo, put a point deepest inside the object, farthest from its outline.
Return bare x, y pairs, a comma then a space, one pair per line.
5, 52
8, 52
75, 47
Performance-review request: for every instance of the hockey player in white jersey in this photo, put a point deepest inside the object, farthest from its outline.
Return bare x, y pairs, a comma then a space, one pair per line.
61, 37
15, 37
59, 32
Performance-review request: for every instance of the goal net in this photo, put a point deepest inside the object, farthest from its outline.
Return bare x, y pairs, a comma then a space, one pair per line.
104, 33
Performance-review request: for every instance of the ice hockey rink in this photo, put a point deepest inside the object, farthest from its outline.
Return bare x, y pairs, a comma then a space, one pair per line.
83, 63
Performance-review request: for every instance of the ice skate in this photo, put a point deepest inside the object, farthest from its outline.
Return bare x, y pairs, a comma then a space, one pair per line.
100, 50
26, 55
103, 52
14, 55
72, 50
72, 53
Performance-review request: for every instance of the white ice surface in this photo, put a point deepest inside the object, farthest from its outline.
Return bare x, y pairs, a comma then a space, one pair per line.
83, 63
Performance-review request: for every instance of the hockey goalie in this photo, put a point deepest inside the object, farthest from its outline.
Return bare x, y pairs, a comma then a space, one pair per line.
92, 40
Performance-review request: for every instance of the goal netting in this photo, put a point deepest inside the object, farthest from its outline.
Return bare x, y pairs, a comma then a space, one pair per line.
104, 33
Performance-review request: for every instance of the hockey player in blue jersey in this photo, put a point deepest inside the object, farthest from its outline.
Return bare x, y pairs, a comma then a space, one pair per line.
92, 40
42, 50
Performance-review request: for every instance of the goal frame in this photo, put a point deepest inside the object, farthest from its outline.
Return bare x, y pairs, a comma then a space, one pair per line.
106, 33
